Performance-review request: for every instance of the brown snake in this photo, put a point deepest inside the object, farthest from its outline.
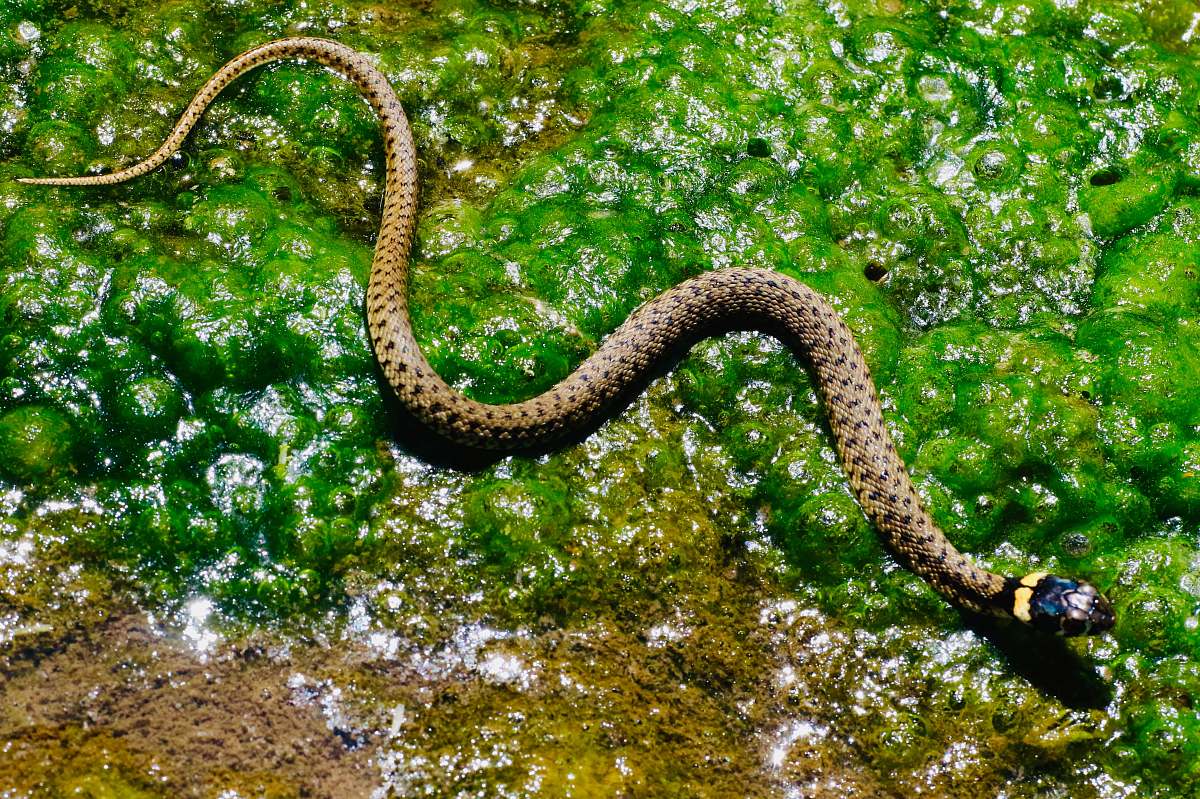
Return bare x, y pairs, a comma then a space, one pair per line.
742, 298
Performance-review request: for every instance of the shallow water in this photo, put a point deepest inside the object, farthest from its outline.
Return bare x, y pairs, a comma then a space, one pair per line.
999, 197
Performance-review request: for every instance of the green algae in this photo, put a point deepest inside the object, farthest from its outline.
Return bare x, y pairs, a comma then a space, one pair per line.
35, 443
996, 195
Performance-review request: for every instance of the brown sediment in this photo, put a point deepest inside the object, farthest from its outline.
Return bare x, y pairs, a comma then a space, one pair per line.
125, 707
125, 710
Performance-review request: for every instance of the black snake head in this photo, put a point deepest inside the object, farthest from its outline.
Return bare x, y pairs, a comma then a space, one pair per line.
1059, 605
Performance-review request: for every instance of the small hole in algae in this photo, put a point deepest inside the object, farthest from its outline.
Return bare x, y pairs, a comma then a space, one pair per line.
758, 148
875, 271
1105, 177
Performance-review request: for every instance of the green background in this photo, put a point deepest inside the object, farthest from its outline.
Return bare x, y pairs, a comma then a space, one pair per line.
1000, 198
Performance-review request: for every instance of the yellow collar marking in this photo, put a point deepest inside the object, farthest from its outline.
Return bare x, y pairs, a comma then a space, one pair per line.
1021, 603
1033, 579
1023, 594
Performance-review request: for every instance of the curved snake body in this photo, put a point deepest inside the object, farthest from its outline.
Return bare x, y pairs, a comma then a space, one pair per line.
745, 298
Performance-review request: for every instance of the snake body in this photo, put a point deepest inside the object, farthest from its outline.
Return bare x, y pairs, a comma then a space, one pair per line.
732, 298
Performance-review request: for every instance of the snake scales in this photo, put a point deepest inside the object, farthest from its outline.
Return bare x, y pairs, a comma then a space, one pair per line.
743, 298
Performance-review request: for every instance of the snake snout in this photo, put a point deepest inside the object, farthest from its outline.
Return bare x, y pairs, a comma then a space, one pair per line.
1088, 612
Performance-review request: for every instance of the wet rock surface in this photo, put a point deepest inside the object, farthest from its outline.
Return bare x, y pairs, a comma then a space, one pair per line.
210, 524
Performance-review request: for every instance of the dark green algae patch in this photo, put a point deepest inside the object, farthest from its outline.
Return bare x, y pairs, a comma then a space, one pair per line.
999, 197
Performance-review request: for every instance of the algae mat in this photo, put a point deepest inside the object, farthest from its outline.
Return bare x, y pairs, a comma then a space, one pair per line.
228, 573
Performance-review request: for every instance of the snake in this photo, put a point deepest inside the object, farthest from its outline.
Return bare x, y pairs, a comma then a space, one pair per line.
720, 300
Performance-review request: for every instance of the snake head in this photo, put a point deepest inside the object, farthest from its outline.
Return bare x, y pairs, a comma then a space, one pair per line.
1060, 605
